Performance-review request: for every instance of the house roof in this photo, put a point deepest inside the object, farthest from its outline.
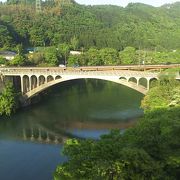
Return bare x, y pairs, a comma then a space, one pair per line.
7, 53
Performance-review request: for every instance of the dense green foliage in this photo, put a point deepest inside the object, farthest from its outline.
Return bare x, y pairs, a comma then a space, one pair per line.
7, 100
166, 93
2, 60
105, 56
138, 25
107, 35
18, 61
149, 150
50, 56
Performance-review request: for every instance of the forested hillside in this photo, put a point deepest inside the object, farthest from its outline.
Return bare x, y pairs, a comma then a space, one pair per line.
138, 25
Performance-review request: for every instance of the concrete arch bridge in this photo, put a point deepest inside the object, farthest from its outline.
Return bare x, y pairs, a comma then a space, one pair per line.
35, 80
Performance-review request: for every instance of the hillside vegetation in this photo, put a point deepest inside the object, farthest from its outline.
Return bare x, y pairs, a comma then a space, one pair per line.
137, 25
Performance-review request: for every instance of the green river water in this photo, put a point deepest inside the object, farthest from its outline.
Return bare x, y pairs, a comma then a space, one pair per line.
31, 140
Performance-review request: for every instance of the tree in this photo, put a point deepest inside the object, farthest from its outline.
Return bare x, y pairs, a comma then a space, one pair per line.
73, 60
36, 58
109, 56
2, 60
127, 56
51, 56
37, 36
64, 50
175, 100
19, 48
18, 60
155, 98
74, 42
93, 57
5, 37
164, 94
8, 102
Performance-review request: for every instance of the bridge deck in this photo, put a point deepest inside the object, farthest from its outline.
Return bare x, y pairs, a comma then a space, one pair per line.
36, 79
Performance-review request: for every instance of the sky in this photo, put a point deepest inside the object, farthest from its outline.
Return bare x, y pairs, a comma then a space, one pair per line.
124, 3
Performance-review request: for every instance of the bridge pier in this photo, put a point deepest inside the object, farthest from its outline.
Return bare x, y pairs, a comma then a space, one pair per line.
138, 81
40, 136
24, 134
46, 79
148, 84
22, 85
30, 84
27, 83
56, 140
47, 137
32, 134
37, 81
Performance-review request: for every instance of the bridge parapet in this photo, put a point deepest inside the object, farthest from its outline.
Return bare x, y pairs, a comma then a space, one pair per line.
55, 71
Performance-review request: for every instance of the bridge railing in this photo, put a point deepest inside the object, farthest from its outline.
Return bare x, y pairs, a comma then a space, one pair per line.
95, 68
55, 71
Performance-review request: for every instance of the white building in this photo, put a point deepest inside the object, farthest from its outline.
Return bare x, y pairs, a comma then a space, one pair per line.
9, 55
75, 52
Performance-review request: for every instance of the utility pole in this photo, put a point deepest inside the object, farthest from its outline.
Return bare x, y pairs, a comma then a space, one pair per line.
38, 6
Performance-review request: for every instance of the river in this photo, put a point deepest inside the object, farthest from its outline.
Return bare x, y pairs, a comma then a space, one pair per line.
31, 141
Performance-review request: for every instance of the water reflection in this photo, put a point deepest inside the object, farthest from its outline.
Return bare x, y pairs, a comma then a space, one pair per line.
31, 140
36, 133
75, 109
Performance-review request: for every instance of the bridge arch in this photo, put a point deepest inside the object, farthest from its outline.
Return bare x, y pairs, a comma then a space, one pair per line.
26, 84
42, 80
123, 78
57, 81
33, 80
152, 82
133, 79
58, 77
50, 78
143, 82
